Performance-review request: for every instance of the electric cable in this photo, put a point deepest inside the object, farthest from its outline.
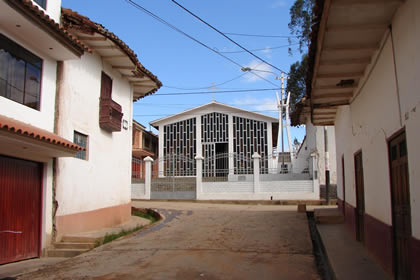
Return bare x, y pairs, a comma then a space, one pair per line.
137, 6
211, 92
257, 35
272, 48
227, 37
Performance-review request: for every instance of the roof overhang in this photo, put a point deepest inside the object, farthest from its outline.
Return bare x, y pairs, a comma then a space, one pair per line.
114, 51
26, 21
213, 106
25, 141
345, 38
142, 153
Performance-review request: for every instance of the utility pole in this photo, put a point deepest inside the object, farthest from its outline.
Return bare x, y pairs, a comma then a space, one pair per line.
280, 106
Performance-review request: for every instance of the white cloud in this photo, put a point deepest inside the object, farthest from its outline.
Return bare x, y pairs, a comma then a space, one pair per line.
278, 4
257, 104
263, 70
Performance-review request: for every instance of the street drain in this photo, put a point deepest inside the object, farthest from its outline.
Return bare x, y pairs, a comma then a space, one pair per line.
321, 258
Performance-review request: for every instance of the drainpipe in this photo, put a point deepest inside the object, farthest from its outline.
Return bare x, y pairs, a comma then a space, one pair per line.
327, 167
59, 81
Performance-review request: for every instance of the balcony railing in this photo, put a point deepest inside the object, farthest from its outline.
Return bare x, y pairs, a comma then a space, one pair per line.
110, 115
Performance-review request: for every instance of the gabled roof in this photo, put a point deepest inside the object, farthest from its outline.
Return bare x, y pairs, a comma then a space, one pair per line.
113, 50
346, 37
218, 107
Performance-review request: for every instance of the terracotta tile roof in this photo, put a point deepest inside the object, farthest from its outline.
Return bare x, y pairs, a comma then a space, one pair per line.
70, 18
20, 128
28, 7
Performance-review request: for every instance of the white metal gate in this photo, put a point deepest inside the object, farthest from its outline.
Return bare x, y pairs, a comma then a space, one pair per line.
173, 178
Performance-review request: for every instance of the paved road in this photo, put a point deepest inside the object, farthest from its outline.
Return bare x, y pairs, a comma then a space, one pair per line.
202, 241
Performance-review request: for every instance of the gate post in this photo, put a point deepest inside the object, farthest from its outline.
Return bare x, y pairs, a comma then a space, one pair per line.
315, 175
256, 158
148, 177
199, 176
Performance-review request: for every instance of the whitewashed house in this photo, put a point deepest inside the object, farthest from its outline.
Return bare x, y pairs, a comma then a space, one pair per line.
93, 189
31, 44
364, 69
318, 145
65, 126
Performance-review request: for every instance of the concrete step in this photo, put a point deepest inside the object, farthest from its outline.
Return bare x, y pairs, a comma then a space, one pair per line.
73, 245
78, 239
328, 216
64, 253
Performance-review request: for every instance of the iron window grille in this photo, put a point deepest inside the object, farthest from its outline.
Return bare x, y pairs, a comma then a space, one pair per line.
81, 140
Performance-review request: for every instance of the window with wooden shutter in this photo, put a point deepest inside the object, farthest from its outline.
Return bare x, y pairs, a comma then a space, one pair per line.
110, 113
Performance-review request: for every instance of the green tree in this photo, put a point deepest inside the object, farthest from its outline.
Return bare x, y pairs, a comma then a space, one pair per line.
301, 20
301, 15
296, 83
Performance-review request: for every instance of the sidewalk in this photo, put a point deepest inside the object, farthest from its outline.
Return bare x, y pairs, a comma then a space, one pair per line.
9, 271
348, 258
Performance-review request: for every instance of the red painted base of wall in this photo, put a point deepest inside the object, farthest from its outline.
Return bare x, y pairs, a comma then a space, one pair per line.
340, 205
350, 219
378, 241
93, 220
415, 258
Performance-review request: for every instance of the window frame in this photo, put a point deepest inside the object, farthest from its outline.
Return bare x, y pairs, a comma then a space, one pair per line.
43, 3
86, 146
20, 53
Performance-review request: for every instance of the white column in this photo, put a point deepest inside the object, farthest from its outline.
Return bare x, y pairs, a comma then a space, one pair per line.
230, 145
315, 175
148, 177
161, 155
270, 146
199, 176
256, 158
198, 135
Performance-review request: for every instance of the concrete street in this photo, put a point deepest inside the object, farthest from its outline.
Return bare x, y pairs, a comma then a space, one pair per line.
202, 241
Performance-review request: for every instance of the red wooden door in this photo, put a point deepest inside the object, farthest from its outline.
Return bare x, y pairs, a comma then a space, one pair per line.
343, 172
20, 209
401, 212
360, 197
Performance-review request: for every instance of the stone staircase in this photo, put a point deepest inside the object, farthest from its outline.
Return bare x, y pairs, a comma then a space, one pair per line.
71, 246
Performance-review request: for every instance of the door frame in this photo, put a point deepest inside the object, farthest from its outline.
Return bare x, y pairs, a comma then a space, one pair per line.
343, 182
360, 223
393, 137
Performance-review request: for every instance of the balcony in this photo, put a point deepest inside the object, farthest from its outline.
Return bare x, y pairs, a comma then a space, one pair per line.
110, 115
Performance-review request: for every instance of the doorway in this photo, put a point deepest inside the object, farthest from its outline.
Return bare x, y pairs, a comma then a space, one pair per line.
401, 210
222, 159
343, 172
360, 197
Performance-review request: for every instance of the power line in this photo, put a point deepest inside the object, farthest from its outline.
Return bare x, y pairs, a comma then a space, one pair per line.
220, 91
227, 37
196, 104
180, 88
258, 35
256, 50
137, 6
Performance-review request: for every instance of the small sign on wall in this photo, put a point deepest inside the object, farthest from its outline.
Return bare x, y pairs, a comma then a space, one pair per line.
125, 124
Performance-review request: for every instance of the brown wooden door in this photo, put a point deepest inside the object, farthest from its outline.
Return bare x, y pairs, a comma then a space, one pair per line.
360, 197
401, 213
20, 207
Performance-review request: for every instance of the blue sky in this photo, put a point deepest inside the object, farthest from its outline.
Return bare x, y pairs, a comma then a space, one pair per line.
182, 64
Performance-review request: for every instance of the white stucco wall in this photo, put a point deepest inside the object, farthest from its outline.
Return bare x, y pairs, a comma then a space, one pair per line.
104, 180
374, 116
53, 9
44, 118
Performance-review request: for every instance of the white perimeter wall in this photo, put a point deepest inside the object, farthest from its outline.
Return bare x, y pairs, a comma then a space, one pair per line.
104, 180
374, 116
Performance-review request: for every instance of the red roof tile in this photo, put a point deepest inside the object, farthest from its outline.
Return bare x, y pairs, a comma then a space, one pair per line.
20, 128
71, 18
